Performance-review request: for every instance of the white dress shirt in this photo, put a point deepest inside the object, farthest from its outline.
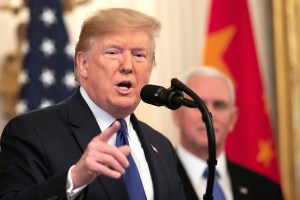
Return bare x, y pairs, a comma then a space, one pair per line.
104, 120
195, 168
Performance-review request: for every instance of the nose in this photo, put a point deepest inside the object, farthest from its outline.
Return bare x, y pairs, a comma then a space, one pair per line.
210, 108
126, 64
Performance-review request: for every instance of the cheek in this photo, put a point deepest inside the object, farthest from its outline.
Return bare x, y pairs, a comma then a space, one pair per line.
143, 76
98, 79
225, 122
189, 118
145, 72
194, 115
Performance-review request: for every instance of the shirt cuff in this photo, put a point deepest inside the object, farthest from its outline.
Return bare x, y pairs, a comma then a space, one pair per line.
72, 194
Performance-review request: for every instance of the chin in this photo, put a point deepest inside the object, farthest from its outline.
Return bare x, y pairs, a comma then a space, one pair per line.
129, 106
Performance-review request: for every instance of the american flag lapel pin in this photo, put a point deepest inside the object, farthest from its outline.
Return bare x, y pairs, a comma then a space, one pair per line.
154, 148
243, 190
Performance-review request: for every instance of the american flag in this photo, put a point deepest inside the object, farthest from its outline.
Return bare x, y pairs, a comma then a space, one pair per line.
47, 76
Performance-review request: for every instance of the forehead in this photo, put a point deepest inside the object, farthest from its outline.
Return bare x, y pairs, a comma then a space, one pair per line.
209, 87
130, 37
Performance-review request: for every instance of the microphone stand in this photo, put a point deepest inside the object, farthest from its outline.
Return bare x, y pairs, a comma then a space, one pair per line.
206, 118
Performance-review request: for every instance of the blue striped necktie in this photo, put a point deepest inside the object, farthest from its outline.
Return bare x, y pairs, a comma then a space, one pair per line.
217, 190
131, 177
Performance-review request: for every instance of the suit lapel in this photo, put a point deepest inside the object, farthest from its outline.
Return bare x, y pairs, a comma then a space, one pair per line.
115, 188
85, 128
83, 123
190, 193
153, 158
240, 191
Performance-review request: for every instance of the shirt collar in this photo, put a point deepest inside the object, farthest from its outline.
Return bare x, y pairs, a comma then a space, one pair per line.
196, 170
103, 118
222, 165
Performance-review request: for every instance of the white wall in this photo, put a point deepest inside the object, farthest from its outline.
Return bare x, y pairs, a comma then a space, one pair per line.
179, 45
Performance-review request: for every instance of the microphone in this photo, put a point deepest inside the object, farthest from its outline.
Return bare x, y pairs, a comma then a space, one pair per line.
159, 96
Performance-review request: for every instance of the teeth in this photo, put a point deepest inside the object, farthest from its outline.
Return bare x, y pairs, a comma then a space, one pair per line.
123, 88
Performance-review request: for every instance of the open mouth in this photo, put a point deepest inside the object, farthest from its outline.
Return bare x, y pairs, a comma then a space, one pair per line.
124, 85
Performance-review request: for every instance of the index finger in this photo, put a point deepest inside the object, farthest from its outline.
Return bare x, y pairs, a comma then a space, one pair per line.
106, 134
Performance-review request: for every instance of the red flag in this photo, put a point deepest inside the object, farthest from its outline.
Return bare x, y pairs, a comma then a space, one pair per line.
230, 47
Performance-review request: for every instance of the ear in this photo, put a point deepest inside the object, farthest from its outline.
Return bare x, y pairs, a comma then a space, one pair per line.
175, 116
82, 64
234, 117
149, 76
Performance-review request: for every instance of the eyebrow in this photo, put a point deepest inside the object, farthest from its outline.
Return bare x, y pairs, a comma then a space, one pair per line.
120, 47
139, 49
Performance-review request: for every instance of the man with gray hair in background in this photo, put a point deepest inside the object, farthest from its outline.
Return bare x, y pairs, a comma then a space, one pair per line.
231, 180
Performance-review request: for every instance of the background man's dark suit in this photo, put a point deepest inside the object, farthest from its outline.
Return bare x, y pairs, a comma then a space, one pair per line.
246, 184
45, 144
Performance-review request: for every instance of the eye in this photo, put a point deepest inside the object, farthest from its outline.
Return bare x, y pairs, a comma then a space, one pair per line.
220, 105
139, 56
112, 54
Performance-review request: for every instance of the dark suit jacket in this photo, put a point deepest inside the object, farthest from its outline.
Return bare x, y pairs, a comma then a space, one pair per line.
38, 149
246, 184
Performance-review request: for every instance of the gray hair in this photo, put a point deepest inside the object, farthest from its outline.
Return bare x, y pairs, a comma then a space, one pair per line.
209, 71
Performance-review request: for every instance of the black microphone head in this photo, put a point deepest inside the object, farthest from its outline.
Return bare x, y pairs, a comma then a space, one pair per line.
149, 94
171, 98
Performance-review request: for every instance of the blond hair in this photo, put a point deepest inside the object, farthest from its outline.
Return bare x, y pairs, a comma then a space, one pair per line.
106, 21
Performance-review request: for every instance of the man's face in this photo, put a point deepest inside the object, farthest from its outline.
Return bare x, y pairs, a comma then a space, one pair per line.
114, 70
215, 93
